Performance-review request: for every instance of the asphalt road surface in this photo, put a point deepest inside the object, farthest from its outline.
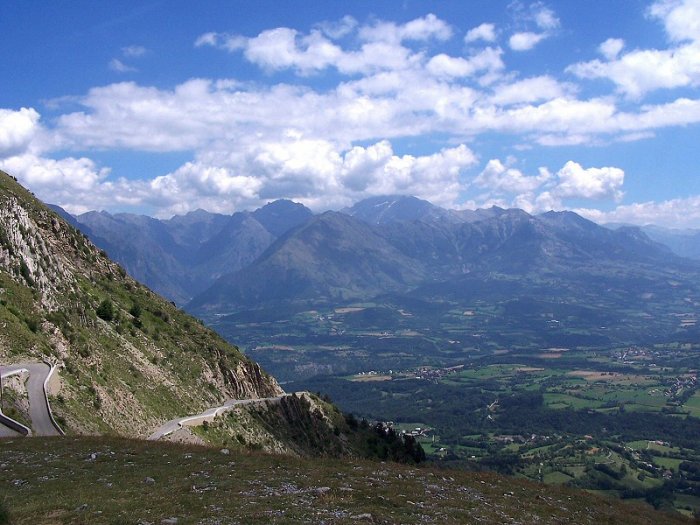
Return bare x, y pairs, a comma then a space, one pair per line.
38, 406
207, 415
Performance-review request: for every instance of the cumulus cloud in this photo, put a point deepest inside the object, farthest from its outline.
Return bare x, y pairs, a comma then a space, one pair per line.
547, 190
486, 60
380, 45
530, 90
681, 18
525, 41
611, 48
17, 130
420, 29
283, 48
574, 181
64, 174
312, 171
543, 18
485, 32
641, 71
384, 105
77, 183
497, 177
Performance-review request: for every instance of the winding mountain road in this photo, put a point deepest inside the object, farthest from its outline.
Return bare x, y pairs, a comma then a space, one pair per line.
43, 423
208, 415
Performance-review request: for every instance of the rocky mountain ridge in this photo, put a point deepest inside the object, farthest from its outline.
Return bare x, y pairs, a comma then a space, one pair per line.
339, 257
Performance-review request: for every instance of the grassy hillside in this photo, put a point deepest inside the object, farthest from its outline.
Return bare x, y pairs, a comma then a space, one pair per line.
129, 359
302, 425
117, 481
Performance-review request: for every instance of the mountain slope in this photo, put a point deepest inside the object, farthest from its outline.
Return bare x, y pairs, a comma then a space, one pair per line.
145, 248
182, 256
685, 243
332, 257
280, 216
130, 359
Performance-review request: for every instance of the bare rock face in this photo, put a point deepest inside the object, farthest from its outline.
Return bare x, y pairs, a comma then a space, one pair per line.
25, 250
249, 381
129, 360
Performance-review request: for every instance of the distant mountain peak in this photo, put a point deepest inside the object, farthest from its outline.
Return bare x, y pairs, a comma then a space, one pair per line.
281, 215
384, 209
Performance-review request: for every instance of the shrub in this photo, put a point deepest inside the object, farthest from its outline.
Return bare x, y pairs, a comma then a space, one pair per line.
135, 310
106, 310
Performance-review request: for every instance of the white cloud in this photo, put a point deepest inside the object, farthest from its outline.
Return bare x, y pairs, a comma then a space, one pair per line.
208, 39
17, 130
338, 29
420, 29
546, 190
498, 178
544, 17
65, 174
486, 60
312, 171
407, 102
485, 32
574, 181
530, 90
681, 18
76, 183
536, 14
641, 71
525, 41
282, 48
611, 48
120, 67
134, 51
380, 45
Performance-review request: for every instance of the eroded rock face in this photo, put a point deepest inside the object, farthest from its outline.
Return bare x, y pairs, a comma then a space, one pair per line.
26, 252
249, 381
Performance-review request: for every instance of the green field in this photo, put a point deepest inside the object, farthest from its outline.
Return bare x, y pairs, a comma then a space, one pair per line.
597, 419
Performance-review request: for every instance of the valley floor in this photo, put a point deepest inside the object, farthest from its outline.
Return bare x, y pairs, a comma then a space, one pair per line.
119, 481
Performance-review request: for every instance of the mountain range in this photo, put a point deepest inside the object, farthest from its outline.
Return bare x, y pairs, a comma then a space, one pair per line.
182, 256
282, 253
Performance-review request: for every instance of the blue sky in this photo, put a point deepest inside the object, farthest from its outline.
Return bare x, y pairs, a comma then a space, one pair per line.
166, 107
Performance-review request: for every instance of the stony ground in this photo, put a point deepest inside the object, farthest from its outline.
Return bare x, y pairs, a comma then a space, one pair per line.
117, 481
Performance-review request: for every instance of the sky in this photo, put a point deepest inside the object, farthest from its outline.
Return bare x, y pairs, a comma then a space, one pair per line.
164, 107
